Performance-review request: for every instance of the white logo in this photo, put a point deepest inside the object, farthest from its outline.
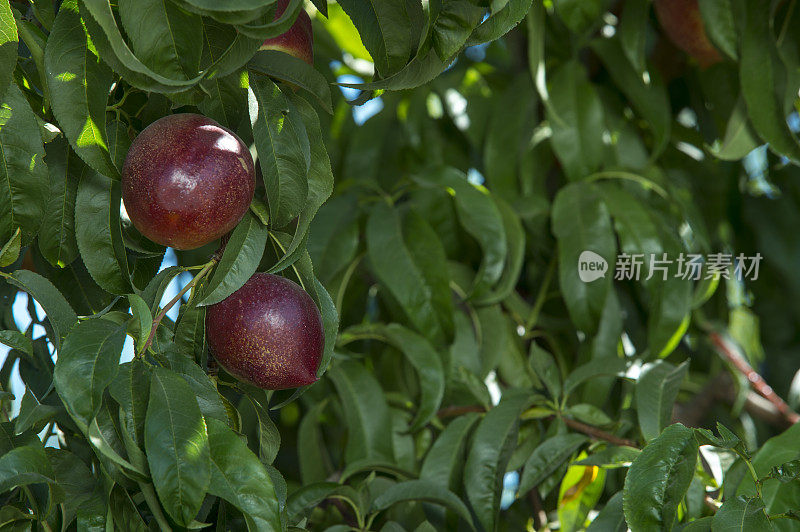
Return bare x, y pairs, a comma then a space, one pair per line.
591, 266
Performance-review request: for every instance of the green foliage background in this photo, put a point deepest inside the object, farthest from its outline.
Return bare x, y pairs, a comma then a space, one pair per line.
440, 240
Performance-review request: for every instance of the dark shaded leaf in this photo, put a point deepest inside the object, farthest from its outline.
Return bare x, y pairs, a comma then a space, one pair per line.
87, 363
24, 180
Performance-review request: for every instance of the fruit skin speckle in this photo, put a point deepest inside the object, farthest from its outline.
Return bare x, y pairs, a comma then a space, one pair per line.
683, 24
268, 333
298, 40
187, 181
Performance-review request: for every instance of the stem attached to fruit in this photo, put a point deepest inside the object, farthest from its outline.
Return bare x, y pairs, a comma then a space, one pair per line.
163, 312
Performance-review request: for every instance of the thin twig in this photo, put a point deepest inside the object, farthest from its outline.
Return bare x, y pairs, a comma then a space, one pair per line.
598, 434
163, 312
735, 357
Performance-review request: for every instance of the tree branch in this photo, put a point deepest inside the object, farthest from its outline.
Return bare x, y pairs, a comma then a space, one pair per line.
163, 312
598, 434
733, 355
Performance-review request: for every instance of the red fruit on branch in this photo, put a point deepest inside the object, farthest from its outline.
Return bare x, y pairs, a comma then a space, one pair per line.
298, 40
683, 24
268, 333
187, 181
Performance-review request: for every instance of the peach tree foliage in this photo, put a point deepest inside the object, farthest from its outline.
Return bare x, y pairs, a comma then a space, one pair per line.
440, 241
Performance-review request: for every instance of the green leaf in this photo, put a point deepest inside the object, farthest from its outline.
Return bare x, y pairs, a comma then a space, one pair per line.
239, 261
238, 477
579, 15
633, 32
740, 138
443, 463
649, 99
659, 478
293, 71
87, 363
17, 340
611, 518
154, 291
79, 85
761, 72
164, 37
177, 446
500, 22
422, 490
144, 319
205, 390
109, 447
74, 478
579, 492
741, 514
308, 496
603, 366
320, 182
656, 391
786, 472
312, 453
190, 331
581, 223
777, 496
588, 413
8, 46
547, 457
481, 218
536, 25
577, 119
419, 71
99, 232
59, 312
283, 149
131, 389
389, 29
232, 12
515, 235
269, 438
24, 177
546, 369
101, 24
454, 22
330, 322
429, 256
124, 512
225, 52
394, 266
422, 356
365, 411
10, 251
32, 412
267, 27
720, 24
492, 444
611, 457
57, 234
333, 236
23, 466
642, 233
509, 130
